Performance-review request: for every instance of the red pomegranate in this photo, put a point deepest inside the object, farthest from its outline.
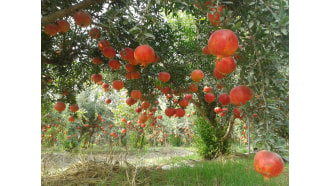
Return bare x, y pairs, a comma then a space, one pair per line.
51, 29
138, 109
133, 62
59, 106
223, 43
217, 74
135, 75
94, 33
164, 77
143, 118
238, 113
117, 84
105, 85
188, 97
226, 65
206, 51
97, 60
215, 18
268, 164
127, 54
183, 103
109, 52
96, 78
136, 94
170, 112
74, 108
103, 44
145, 104
144, 54
114, 64
130, 101
207, 89
224, 99
209, 97
129, 68
72, 119
63, 26
240, 94
82, 18
217, 109
197, 75
166, 90
193, 88
179, 112
107, 101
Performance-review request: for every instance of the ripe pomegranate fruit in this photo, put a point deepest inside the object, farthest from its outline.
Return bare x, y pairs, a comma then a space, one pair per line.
105, 85
74, 108
71, 119
129, 68
107, 101
207, 89
97, 60
164, 77
130, 101
145, 104
135, 75
224, 99
136, 94
138, 110
109, 52
96, 78
94, 33
197, 75
51, 29
209, 97
206, 51
223, 43
170, 112
214, 18
117, 84
59, 106
114, 64
179, 112
82, 18
240, 94
226, 65
217, 74
188, 97
268, 164
166, 90
127, 54
144, 54
63, 26
217, 109
237, 113
183, 103
103, 44
193, 88
143, 118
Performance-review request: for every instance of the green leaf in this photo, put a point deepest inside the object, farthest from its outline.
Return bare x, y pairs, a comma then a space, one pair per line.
251, 24
134, 30
148, 35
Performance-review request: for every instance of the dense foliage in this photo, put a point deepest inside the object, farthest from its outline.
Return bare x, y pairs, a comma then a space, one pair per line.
177, 31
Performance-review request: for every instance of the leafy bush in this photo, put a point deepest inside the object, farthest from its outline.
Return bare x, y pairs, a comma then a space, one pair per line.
207, 139
175, 140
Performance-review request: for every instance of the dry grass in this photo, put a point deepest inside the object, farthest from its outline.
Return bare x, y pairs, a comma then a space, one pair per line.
88, 171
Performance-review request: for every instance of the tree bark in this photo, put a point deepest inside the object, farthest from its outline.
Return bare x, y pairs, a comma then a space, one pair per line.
68, 11
230, 126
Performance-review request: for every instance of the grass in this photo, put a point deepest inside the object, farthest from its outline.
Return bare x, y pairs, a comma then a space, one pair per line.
229, 172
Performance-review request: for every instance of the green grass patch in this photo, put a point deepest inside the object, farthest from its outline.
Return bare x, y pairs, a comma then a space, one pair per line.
234, 172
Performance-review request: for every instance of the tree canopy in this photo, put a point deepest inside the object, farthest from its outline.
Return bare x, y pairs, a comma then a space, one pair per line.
177, 31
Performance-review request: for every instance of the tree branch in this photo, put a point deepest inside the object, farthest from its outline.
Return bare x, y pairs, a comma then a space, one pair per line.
68, 11
198, 106
230, 126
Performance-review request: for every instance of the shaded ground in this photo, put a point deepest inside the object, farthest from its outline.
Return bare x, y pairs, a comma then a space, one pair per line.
151, 157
